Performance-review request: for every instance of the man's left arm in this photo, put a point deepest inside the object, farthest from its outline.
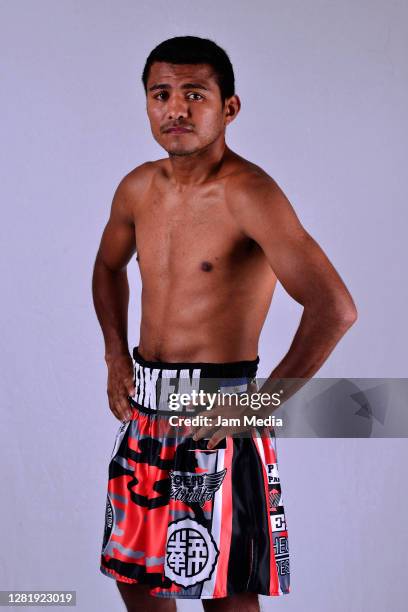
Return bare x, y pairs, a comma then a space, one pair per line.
262, 212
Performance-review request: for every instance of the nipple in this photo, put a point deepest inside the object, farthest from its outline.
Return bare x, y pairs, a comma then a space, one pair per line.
206, 266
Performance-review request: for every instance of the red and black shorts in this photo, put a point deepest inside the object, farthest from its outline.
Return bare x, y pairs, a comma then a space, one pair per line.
193, 523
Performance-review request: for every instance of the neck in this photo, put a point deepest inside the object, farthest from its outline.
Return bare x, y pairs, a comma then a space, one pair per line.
200, 166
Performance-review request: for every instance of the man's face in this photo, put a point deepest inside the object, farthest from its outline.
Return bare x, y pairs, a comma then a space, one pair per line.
184, 107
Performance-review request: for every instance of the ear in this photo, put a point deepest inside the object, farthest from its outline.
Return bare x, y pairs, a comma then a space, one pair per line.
231, 108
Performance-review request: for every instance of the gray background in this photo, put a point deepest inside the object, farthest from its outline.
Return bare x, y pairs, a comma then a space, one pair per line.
324, 98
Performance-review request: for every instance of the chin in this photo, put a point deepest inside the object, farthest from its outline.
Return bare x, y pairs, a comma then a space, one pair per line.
181, 151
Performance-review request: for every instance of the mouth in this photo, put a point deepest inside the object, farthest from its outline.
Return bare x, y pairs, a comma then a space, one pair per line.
177, 130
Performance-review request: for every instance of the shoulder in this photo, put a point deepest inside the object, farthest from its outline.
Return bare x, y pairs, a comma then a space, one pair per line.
250, 188
135, 182
133, 187
258, 205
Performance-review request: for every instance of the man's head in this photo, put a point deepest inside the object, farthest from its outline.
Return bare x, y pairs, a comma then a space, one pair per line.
190, 93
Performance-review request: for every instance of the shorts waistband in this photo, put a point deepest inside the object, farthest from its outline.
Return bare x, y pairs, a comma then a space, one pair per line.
208, 369
156, 380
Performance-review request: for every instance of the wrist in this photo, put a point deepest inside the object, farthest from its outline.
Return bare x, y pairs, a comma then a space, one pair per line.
116, 353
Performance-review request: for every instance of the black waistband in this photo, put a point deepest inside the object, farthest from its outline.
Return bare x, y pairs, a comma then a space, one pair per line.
208, 369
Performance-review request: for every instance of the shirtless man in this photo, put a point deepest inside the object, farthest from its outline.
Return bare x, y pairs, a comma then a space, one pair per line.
213, 233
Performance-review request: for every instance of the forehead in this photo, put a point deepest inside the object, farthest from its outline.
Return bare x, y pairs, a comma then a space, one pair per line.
176, 74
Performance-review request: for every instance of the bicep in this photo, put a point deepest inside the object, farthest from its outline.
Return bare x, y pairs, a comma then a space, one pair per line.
118, 242
302, 267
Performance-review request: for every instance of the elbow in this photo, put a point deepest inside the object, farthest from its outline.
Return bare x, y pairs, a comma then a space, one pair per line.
337, 312
347, 315
350, 317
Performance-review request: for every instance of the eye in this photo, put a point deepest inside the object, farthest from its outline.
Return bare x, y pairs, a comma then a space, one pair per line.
162, 95
197, 96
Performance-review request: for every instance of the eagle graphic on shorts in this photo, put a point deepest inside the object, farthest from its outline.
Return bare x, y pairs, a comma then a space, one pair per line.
191, 487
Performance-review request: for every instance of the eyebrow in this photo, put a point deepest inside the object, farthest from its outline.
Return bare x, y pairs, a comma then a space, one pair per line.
184, 86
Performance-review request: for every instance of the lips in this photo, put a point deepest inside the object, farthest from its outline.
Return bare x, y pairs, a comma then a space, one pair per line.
177, 130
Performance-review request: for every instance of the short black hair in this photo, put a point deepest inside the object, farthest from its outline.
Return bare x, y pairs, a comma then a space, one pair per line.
194, 50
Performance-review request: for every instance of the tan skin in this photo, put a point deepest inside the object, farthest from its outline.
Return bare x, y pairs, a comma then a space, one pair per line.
213, 233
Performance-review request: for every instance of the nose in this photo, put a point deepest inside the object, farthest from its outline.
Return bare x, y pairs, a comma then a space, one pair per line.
177, 107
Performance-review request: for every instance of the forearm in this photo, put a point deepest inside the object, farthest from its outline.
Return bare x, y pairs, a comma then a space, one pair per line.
317, 335
110, 290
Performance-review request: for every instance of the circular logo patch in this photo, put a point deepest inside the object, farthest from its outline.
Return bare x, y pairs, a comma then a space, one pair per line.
191, 552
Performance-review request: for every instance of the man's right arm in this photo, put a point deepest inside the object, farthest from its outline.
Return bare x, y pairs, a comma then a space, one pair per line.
110, 290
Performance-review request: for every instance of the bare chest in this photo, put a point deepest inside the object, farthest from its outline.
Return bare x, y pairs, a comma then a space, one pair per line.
178, 235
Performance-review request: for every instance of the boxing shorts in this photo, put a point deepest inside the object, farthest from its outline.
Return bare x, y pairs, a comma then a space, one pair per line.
189, 522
